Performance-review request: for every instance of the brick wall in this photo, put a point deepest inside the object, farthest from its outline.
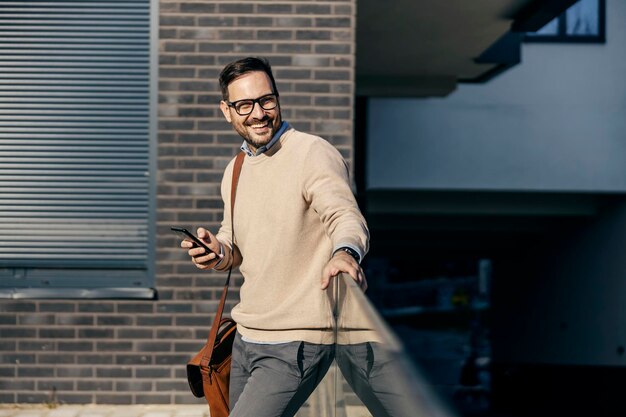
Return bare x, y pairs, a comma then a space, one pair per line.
122, 352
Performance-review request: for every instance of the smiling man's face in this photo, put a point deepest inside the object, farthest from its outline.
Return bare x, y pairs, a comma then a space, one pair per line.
258, 127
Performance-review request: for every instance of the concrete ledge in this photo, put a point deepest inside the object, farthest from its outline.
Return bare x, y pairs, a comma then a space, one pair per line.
92, 410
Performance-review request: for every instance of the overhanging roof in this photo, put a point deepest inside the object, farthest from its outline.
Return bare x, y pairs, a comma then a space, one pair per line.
422, 48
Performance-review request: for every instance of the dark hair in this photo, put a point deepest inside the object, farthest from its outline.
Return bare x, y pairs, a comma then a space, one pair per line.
242, 66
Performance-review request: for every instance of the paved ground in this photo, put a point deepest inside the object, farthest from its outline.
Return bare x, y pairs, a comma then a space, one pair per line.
91, 410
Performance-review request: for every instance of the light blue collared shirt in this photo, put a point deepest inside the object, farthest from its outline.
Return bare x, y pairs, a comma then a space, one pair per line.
244, 147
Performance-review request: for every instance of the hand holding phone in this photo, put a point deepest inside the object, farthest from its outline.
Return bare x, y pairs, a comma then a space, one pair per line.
208, 258
191, 237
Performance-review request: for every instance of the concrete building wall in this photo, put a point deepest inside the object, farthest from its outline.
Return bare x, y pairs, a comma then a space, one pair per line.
125, 351
555, 122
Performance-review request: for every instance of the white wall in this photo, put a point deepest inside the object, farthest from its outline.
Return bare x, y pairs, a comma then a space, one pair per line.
556, 122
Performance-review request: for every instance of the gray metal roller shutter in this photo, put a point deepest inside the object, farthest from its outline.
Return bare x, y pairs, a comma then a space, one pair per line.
74, 143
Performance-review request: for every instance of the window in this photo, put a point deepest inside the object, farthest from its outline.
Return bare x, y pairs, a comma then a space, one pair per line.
76, 199
583, 22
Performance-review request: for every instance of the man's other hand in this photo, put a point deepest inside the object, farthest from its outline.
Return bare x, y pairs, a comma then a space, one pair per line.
343, 262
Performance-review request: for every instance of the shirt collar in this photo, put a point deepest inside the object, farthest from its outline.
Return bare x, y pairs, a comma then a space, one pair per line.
244, 147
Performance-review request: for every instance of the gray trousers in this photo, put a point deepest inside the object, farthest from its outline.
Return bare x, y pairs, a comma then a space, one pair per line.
275, 380
374, 376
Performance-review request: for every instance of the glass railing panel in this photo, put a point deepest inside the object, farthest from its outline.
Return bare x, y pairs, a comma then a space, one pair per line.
372, 375
323, 401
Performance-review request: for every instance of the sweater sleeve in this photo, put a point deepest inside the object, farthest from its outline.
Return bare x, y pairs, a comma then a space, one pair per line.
224, 235
327, 190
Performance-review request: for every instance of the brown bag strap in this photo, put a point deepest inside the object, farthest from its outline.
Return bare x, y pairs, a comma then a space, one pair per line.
206, 357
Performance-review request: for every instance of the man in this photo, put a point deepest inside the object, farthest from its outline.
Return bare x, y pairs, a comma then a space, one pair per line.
296, 225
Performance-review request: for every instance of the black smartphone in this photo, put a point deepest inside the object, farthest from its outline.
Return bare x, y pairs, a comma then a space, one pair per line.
190, 236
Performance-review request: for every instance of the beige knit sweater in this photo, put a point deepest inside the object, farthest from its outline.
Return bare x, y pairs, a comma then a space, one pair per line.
293, 206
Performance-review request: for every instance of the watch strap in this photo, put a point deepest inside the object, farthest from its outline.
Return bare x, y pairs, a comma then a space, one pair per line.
350, 252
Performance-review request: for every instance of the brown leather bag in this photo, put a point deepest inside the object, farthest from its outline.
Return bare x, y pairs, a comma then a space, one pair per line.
208, 373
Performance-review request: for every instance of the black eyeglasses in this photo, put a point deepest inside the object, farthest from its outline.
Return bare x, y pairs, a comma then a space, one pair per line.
244, 107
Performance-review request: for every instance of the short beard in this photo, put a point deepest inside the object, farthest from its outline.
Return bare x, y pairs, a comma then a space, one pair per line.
254, 144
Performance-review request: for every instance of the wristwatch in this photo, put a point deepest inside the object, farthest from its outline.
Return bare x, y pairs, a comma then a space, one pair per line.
350, 252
